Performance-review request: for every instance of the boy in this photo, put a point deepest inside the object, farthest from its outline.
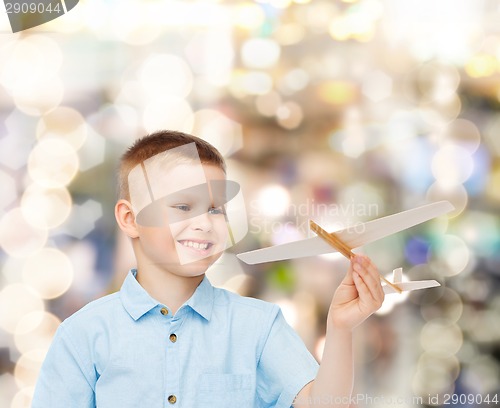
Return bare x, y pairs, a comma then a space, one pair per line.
168, 338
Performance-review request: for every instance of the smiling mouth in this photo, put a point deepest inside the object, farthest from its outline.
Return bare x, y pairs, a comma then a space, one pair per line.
200, 246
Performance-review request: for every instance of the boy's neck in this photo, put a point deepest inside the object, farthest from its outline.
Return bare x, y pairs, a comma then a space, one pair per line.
169, 289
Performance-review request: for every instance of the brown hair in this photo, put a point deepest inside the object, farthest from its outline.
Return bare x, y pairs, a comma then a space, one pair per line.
158, 142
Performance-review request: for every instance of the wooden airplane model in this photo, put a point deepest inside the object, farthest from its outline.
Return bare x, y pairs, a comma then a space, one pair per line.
345, 240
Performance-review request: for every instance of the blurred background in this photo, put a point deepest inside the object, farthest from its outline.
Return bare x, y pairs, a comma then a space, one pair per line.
337, 111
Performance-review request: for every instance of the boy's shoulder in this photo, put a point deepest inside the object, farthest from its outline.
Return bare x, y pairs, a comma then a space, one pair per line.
225, 298
104, 306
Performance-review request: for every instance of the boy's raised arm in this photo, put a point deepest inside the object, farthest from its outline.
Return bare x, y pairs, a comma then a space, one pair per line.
358, 296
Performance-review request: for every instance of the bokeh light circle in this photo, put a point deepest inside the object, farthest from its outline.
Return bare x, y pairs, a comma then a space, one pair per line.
28, 366
432, 380
138, 23
49, 272
16, 301
46, 208
165, 75
35, 331
168, 113
452, 165
30, 61
217, 129
450, 363
450, 255
18, 237
456, 195
40, 98
446, 110
268, 104
260, 52
53, 163
484, 327
441, 338
23, 398
481, 231
463, 133
250, 83
437, 82
449, 306
65, 123
289, 33
249, 16
481, 65
360, 201
272, 201
289, 115
294, 80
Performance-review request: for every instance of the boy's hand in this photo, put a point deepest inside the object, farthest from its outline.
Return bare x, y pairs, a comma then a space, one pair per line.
358, 296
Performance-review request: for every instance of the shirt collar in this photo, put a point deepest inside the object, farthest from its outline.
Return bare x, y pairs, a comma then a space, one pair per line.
202, 300
135, 299
137, 302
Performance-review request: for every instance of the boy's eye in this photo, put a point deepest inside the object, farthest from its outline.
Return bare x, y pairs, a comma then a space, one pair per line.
216, 211
182, 207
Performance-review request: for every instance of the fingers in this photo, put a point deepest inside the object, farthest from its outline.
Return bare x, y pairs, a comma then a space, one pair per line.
367, 280
348, 278
362, 287
376, 279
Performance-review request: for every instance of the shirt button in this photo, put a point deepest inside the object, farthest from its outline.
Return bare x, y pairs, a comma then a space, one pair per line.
173, 338
164, 311
172, 399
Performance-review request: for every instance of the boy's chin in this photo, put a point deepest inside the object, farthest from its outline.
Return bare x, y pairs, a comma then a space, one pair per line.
199, 266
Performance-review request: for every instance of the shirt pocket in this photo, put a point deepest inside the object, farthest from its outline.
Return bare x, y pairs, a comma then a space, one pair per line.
226, 390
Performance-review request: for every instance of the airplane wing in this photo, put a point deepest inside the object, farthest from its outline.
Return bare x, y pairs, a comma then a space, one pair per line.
415, 285
354, 237
290, 250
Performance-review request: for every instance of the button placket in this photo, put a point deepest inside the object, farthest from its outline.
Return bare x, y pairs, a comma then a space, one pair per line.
175, 324
173, 365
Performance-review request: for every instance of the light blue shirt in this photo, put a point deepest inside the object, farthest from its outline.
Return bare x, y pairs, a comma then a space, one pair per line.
219, 350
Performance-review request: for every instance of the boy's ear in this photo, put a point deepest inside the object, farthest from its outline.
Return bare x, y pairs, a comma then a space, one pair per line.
125, 218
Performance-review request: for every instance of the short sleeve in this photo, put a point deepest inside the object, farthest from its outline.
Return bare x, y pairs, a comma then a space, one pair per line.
285, 365
65, 380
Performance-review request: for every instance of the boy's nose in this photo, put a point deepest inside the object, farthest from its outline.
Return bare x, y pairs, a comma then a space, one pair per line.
202, 222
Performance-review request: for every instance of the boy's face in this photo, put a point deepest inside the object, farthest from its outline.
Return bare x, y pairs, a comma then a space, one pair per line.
186, 231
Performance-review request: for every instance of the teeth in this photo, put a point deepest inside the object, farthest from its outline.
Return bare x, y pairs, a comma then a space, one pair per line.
195, 245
